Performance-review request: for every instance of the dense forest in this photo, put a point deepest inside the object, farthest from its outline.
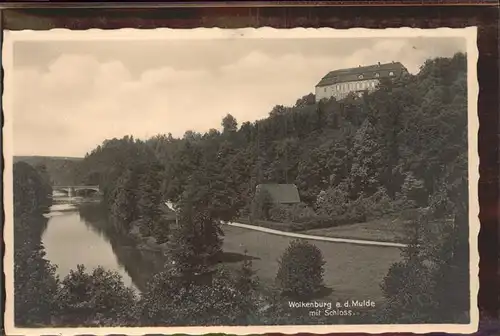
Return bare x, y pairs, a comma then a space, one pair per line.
399, 151
59, 169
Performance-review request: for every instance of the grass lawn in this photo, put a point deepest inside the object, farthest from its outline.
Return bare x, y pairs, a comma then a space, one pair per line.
385, 229
351, 271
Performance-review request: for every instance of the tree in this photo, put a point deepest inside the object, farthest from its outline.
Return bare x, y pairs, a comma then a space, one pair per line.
215, 303
192, 136
306, 100
261, 205
44, 177
125, 206
31, 191
450, 253
229, 124
185, 162
334, 201
149, 200
247, 283
407, 283
424, 287
366, 161
413, 191
35, 280
301, 269
96, 299
187, 253
105, 164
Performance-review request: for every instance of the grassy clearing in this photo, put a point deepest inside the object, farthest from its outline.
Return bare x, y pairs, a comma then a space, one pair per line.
351, 271
385, 229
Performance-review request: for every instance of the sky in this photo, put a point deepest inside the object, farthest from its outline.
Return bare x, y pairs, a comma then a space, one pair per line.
69, 96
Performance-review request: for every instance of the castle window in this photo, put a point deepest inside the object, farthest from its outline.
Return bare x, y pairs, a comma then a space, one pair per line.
377, 75
391, 73
360, 76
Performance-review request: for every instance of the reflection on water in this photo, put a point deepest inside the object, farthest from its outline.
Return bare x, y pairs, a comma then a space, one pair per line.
83, 234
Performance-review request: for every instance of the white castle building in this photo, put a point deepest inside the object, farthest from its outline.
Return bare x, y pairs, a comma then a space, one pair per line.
340, 83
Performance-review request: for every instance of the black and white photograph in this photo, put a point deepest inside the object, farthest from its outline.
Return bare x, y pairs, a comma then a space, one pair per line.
241, 181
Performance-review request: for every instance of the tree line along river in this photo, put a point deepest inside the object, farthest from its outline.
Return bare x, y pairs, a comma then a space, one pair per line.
84, 234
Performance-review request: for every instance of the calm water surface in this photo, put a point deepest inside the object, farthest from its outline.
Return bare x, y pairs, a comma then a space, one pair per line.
83, 234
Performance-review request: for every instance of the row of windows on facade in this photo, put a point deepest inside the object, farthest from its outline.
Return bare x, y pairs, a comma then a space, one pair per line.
377, 75
353, 86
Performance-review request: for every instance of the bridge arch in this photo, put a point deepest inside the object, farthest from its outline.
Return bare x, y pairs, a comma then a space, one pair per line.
71, 191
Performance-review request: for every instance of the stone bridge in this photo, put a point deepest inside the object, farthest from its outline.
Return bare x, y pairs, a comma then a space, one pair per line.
72, 191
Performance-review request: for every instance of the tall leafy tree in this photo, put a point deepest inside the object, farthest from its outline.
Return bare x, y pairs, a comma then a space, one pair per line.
31, 191
96, 299
366, 161
125, 204
229, 124
35, 281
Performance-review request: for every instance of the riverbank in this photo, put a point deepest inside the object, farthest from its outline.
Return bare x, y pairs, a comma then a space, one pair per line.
147, 243
375, 233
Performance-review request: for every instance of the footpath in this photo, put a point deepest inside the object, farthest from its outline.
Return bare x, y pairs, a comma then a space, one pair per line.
319, 238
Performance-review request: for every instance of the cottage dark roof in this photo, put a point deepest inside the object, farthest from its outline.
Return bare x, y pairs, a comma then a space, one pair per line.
281, 193
368, 72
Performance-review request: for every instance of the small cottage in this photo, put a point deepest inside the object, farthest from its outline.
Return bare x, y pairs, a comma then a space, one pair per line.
281, 193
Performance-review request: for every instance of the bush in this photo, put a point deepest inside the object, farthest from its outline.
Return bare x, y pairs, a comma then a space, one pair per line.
99, 298
301, 269
290, 213
215, 300
322, 222
414, 191
333, 201
279, 213
300, 211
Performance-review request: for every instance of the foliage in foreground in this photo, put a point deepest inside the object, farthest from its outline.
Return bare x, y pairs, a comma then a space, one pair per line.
301, 269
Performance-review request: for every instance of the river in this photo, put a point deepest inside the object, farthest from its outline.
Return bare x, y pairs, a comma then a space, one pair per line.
83, 234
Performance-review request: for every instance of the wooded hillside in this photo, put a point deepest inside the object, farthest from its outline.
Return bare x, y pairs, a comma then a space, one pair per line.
409, 132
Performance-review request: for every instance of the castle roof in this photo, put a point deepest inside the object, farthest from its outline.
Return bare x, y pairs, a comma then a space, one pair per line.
362, 73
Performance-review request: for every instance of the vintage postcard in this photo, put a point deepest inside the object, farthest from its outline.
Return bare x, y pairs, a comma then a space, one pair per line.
241, 181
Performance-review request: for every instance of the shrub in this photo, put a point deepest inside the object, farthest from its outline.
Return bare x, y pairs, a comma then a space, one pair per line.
279, 213
414, 191
169, 301
99, 298
290, 213
333, 201
380, 204
301, 269
300, 211
321, 222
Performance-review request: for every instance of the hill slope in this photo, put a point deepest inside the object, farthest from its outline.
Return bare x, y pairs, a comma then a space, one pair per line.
61, 170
